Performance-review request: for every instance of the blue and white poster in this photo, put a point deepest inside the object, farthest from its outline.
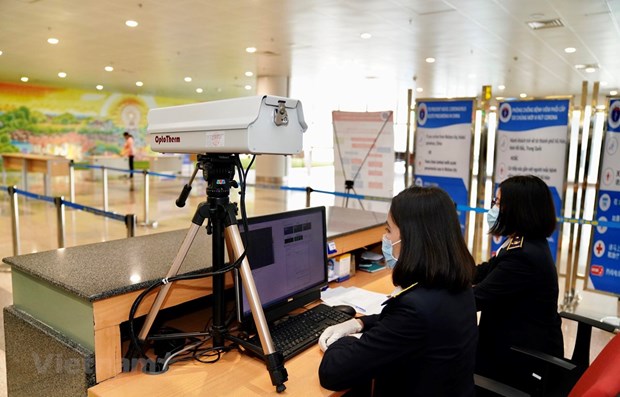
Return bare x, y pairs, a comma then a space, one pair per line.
442, 148
532, 138
604, 270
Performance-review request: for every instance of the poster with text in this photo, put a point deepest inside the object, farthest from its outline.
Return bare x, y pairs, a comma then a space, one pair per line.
443, 148
364, 154
604, 270
532, 139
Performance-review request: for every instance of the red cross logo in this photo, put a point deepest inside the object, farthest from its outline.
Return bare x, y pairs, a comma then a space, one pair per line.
599, 248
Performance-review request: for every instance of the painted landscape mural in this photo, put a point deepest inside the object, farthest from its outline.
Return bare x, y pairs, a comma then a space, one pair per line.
73, 123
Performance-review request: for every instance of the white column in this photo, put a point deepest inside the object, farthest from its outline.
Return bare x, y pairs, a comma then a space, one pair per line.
269, 168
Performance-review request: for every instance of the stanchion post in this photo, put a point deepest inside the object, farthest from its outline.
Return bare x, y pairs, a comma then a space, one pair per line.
147, 190
14, 219
130, 223
104, 177
146, 196
308, 191
60, 220
72, 181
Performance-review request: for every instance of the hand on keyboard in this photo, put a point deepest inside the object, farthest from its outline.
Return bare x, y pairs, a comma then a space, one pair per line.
335, 332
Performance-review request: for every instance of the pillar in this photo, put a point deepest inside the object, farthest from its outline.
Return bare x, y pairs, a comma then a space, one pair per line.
271, 169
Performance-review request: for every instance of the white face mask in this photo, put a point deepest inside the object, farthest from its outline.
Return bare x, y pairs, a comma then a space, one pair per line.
386, 247
492, 216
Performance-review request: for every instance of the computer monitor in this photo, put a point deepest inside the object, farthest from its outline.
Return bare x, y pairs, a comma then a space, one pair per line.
288, 258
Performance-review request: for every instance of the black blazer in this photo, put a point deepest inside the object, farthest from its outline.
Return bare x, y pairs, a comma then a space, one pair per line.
422, 344
517, 294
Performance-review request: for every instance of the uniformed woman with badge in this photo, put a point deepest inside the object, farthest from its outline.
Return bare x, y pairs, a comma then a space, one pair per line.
424, 341
517, 289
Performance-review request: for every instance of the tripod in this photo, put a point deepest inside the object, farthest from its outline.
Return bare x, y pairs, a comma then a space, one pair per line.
218, 171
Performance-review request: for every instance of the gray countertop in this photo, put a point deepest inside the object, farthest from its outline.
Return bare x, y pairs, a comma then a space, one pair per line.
97, 271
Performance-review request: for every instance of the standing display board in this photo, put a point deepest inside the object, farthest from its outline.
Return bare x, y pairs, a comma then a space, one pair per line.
532, 139
604, 259
443, 148
364, 155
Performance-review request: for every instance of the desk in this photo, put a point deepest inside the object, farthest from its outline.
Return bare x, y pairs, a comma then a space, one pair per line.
82, 294
49, 165
235, 374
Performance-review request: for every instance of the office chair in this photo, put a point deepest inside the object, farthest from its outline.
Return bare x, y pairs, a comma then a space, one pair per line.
561, 375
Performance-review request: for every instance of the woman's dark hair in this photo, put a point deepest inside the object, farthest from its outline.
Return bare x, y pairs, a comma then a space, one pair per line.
525, 208
433, 251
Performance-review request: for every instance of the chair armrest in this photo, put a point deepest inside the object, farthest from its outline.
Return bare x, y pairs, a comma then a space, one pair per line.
558, 362
497, 387
589, 321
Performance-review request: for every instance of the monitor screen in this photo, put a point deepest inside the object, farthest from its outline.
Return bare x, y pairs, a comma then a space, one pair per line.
288, 259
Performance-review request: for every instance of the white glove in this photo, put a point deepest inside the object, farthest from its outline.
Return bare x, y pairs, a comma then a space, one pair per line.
335, 332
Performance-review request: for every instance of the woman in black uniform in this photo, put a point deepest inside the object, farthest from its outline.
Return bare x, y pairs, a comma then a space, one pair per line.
424, 341
517, 290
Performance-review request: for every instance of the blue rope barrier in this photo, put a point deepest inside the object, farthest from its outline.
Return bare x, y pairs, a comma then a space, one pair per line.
35, 196
96, 211
97, 167
92, 210
459, 207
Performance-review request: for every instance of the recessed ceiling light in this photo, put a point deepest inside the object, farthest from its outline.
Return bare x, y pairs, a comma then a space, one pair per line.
187, 79
430, 60
523, 95
99, 87
131, 24
419, 89
580, 66
0, 52
218, 89
62, 75
501, 87
613, 92
53, 40
249, 74
251, 50
499, 98
570, 50
365, 36
199, 90
590, 69
25, 79
108, 68
139, 83
248, 87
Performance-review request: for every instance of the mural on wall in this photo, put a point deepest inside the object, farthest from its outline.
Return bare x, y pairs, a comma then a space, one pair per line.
73, 123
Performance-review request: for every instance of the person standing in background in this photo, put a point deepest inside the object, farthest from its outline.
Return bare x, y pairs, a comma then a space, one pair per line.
128, 150
516, 291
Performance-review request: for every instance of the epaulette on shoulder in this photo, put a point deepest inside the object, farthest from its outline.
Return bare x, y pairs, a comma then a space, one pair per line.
515, 242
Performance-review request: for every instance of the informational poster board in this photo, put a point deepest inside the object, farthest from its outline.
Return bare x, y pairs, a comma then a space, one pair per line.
604, 269
532, 139
364, 154
443, 148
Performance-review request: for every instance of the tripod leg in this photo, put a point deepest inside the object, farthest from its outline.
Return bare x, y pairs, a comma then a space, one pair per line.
163, 292
275, 360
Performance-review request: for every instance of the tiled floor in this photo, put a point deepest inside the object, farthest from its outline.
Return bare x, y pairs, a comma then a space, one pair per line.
38, 225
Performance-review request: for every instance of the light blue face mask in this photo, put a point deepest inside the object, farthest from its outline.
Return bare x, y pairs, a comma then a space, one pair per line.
386, 247
492, 216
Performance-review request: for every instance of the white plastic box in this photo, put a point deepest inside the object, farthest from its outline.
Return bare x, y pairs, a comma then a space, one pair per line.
253, 125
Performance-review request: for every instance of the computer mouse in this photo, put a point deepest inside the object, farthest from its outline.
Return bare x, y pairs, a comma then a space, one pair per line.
346, 309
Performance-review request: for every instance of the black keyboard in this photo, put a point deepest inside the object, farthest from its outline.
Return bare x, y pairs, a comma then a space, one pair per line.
296, 333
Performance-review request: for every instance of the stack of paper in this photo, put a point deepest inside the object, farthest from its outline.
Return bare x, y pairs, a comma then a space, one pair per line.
364, 302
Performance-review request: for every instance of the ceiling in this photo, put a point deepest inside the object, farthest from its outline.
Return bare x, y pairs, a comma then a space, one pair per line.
474, 42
